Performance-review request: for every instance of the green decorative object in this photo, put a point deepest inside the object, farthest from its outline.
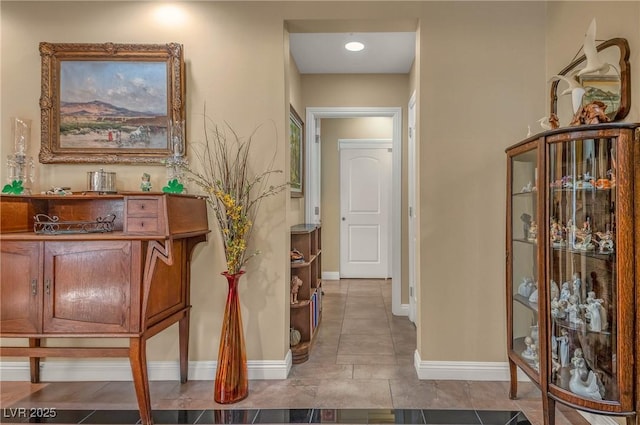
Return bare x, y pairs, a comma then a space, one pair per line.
15, 188
173, 186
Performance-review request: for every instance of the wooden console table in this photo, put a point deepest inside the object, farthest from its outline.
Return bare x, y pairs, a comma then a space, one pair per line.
74, 280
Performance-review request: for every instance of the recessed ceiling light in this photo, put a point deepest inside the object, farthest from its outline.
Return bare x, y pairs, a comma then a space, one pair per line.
354, 46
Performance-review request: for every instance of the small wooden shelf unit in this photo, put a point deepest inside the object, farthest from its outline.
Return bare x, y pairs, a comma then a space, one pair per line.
307, 313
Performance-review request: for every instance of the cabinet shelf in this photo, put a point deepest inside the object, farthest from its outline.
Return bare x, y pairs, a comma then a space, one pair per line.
590, 254
599, 289
525, 302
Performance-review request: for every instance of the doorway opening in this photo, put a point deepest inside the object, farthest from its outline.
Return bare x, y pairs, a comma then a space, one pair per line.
314, 115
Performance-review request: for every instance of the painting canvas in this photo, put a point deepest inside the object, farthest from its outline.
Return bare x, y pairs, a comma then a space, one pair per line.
110, 102
604, 88
113, 105
296, 142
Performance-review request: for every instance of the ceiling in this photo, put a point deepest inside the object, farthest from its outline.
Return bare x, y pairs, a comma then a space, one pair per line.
324, 53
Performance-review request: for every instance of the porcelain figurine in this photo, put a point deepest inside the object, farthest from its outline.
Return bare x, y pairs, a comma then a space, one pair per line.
605, 242
554, 290
534, 333
589, 387
563, 339
573, 311
529, 353
595, 312
556, 234
533, 232
565, 293
577, 286
533, 298
296, 283
526, 287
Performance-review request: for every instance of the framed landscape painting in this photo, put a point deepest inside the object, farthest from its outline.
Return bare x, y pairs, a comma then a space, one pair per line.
109, 103
296, 144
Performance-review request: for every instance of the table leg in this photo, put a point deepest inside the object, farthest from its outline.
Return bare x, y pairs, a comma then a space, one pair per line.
513, 374
34, 362
184, 347
138, 359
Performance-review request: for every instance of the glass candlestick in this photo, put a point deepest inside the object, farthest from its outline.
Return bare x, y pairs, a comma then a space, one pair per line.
176, 161
20, 166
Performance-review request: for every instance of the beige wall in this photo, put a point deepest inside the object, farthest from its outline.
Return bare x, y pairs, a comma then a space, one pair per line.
334, 129
481, 80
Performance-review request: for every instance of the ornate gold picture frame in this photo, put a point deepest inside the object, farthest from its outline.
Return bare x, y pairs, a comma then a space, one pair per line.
296, 145
110, 103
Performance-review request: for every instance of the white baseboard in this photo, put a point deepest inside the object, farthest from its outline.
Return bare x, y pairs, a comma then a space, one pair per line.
463, 371
404, 310
120, 370
330, 275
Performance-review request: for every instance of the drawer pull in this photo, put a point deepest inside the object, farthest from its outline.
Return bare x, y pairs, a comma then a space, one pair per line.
34, 286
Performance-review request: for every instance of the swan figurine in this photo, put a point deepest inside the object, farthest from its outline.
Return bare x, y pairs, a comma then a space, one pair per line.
589, 388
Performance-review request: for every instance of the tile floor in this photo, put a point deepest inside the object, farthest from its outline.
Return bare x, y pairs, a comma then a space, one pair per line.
360, 364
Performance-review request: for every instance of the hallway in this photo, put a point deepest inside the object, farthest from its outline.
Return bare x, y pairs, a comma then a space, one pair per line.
361, 363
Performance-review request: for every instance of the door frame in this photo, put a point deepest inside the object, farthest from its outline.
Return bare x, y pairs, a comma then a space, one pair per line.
312, 178
412, 198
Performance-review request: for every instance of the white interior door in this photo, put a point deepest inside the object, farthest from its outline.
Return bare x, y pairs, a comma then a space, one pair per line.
411, 180
365, 176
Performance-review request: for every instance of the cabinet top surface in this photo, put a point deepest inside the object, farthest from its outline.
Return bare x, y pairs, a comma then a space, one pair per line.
95, 196
578, 129
304, 228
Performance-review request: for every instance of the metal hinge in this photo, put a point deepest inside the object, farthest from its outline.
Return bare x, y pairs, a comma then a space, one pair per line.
411, 291
317, 138
316, 210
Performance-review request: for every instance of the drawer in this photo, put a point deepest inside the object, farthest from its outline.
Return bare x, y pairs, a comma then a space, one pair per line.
142, 208
142, 225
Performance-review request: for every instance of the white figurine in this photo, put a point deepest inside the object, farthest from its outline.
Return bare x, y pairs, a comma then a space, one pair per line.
564, 348
565, 293
533, 232
529, 353
584, 382
534, 333
554, 289
577, 286
573, 310
595, 312
526, 287
533, 298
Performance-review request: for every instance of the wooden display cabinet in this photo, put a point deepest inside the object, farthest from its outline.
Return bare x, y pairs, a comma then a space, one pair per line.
573, 258
71, 278
305, 315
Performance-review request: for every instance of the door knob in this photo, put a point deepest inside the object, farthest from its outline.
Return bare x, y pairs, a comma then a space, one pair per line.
343, 219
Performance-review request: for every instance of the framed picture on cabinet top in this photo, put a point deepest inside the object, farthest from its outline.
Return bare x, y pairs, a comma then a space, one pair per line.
296, 146
110, 103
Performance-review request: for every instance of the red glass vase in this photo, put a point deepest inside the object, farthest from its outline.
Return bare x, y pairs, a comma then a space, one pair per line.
232, 383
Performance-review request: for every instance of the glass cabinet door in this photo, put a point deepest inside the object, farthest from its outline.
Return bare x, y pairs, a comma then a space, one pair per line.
523, 261
582, 268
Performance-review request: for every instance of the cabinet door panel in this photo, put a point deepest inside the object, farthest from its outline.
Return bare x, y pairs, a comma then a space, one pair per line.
589, 222
88, 286
523, 263
21, 287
